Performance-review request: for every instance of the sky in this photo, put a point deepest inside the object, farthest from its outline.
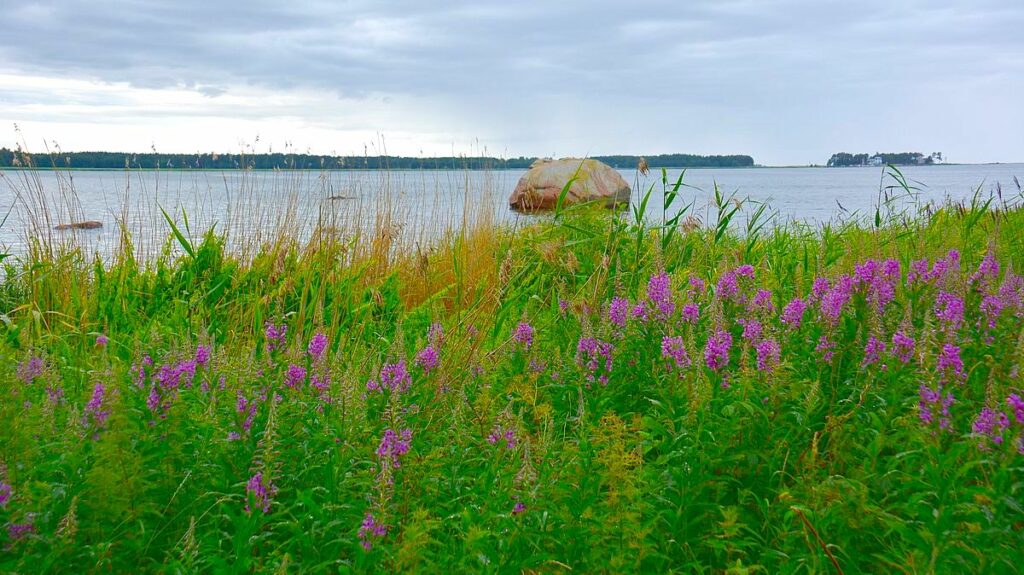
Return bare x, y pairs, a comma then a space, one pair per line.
788, 82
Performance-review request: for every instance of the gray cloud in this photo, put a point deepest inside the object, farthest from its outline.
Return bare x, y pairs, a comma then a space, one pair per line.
788, 81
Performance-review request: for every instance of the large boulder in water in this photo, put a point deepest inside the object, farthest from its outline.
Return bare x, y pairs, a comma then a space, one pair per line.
541, 185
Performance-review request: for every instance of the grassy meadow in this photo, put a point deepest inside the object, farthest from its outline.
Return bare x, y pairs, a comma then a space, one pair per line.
591, 393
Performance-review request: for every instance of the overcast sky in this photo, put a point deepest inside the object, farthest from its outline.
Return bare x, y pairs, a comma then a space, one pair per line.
788, 82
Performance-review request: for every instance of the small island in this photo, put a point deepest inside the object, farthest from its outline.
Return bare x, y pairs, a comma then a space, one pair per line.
847, 160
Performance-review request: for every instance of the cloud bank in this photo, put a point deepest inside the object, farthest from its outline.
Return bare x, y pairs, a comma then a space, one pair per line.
788, 82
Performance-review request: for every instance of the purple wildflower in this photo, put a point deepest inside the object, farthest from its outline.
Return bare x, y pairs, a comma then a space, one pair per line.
745, 271
595, 355
873, 351
691, 313
435, 335
763, 302
505, 435
833, 301
19, 531
259, 492
672, 348
96, 410
944, 268
1011, 292
523, 334
393, 377
202, 356
153, 400
30, 369
618, 311
295, 376
918, 271
697, 286
317, 345
102, 340
949, 362
728, 286
518, 508
819, 288
793, 313
949, 309
275, 336
987, 272
393, 445
248, 408
427, 359
991, 424
55, 394
752, 329
931, 399
716, 352
902, 346
991, 306
768, 355
659, 293
640, 311
1016, 403
369, 530
826, 348
6, 491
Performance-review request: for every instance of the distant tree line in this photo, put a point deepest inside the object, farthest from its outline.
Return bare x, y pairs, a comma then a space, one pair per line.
271, 161
843, 159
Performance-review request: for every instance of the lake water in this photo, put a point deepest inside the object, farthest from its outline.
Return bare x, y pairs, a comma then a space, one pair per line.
417, 205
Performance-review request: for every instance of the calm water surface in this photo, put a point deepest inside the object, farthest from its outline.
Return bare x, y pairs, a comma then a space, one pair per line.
420, 204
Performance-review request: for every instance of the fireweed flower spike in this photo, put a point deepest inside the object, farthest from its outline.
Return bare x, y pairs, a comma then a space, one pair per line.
202, 356
949, 364
618, 312
369, 530
932, 399
259, 493
672, 349
275, 336
991, 424
716, 352
949, 309
523, 334
873, 351
1016, 403
769, 355
295, 376
596, 357
902, 347
393, 377
97, 410
659, 294
793, 313
317, 345
427, 359
30, 369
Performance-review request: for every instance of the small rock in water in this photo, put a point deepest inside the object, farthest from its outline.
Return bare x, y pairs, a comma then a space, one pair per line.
86, 225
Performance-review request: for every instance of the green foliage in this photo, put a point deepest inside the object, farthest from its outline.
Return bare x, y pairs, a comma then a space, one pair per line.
520, 460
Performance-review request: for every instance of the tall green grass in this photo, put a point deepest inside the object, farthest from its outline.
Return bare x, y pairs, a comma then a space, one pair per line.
812, 467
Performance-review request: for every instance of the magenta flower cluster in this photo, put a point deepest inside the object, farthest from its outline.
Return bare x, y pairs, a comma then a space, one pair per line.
258, 492
393, 377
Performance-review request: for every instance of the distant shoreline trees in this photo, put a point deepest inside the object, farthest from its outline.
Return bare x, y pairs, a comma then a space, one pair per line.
278, 161
844, 159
